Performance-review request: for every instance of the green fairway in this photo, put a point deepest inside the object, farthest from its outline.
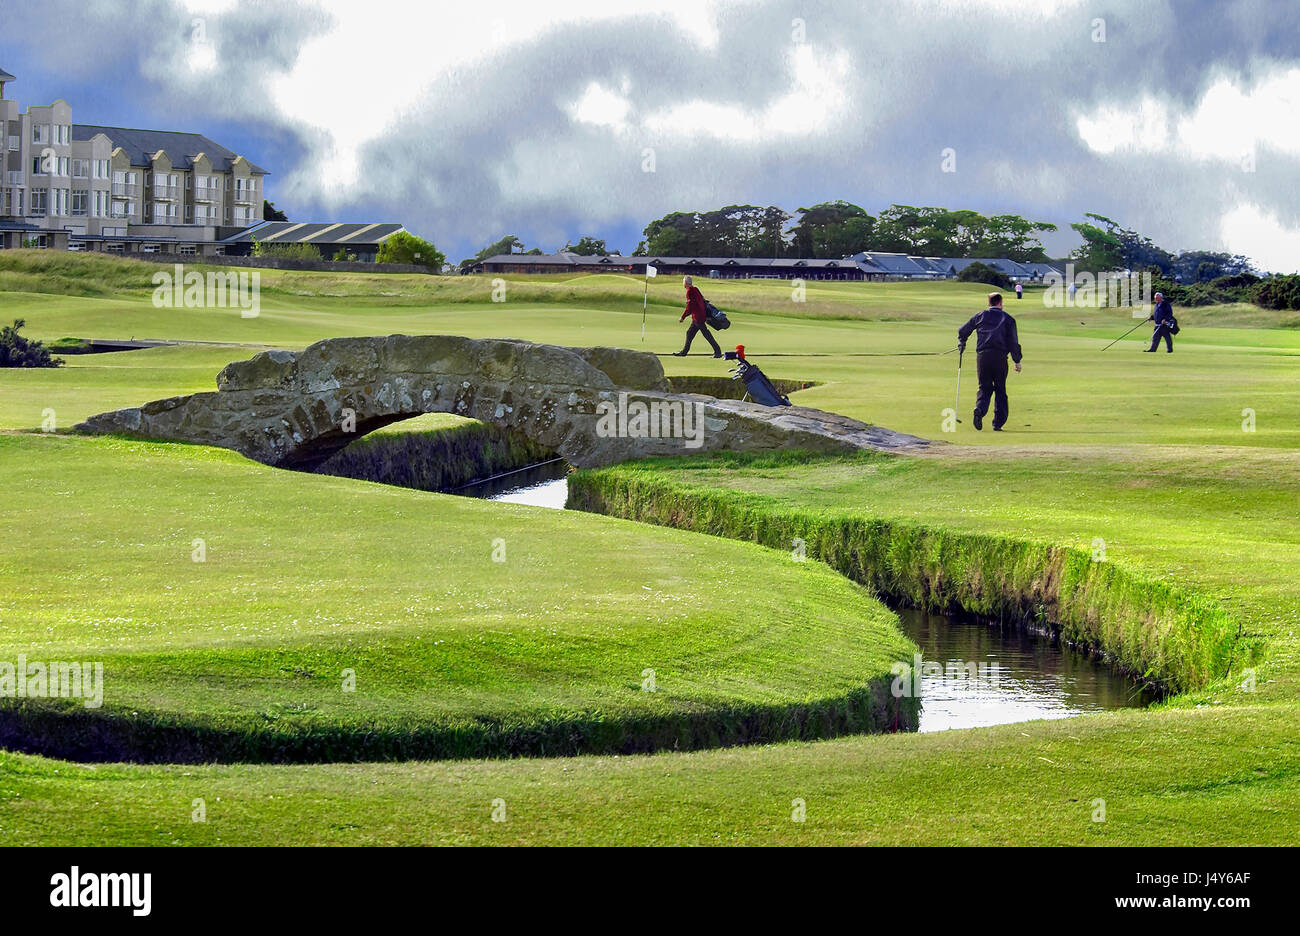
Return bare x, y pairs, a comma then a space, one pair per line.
869, 345
1184, 468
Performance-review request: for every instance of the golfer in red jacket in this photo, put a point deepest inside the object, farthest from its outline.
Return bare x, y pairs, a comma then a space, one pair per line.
699, 319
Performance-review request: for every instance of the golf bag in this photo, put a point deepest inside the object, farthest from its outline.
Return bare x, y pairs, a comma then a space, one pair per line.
1173, 326
760, 389
715, 317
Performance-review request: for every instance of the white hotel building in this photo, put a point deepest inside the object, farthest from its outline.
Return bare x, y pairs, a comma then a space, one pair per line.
83, 186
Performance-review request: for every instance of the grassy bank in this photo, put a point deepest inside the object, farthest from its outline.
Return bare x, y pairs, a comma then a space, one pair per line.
1150, 628
435, 452
228, 623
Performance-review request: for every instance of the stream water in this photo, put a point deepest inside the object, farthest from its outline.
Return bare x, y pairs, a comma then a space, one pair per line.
973, 674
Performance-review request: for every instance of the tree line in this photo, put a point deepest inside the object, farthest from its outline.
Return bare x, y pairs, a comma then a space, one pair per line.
835, 229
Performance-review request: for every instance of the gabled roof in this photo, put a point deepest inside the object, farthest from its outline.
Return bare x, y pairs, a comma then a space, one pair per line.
1009, 267
1038, 268
892, 264
5, 76
141, 146
342, 234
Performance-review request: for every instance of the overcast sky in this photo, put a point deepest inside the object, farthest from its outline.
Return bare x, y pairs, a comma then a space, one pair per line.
465, 121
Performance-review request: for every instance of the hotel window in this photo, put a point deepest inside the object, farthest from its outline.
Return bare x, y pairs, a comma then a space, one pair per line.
81, 169
40, 199
65, 134
39, 165
80, 203
60, 202
187, 250
40, 133
101, 168
64, 166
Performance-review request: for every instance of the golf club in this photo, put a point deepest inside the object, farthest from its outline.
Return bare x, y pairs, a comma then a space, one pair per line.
1127, 333
956, 403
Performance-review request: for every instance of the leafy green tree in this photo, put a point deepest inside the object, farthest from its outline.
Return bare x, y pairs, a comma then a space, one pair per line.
17, 351
505, 245
1201, 266
830, 230
1107, 246
982, 273
272, 213
405, 247
589, 247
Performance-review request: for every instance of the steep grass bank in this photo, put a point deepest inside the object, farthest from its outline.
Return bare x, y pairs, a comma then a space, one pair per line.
1153, 629
245, 613
451, 453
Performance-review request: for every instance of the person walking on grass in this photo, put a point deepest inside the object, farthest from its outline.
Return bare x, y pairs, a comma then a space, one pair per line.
1163, 316
1020, 291
996, 338
699, 320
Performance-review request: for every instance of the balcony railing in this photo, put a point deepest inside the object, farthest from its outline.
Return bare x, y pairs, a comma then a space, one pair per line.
166, 191
207, 194
125, 190
15, 143
245, 196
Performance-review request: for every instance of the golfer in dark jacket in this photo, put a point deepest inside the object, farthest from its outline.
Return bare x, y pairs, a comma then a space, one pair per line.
699, 319
996, 339
1163, 316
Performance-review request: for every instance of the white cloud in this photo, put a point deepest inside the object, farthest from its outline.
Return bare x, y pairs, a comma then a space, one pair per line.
1118, 128
819, 94
343, 88
1227, 122
602, 107
1259, 235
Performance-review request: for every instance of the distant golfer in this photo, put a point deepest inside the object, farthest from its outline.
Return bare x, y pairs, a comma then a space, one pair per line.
699, 320
996, 339
1163, 316
1020, 291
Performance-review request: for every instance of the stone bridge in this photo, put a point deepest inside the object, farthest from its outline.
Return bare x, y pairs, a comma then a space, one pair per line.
593, 406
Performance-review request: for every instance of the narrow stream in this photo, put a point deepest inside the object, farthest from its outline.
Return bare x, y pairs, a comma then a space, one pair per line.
973, 674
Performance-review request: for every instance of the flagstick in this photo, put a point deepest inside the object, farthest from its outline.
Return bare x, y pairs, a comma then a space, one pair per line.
649, 272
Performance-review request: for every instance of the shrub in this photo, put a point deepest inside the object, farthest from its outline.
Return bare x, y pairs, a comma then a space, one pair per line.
983, 273
17, 351
286, 251
404, 247
1280, 292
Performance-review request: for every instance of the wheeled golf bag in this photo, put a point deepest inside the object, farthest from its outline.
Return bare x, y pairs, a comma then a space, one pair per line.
760, 389
714, 317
